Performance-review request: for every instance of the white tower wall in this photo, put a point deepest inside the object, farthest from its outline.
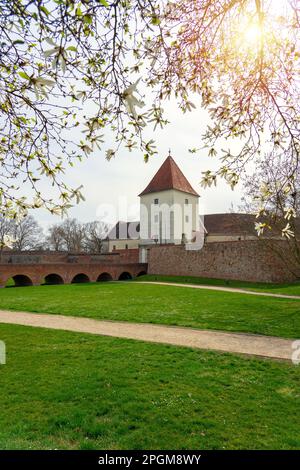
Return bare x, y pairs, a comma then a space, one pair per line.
175, 214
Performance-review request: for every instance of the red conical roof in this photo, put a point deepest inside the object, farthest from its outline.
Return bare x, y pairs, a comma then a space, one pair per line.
169, 176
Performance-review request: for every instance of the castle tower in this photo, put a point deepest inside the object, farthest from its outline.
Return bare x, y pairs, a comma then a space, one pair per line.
169, 207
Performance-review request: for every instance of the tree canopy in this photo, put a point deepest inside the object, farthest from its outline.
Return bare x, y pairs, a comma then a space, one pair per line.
84, 65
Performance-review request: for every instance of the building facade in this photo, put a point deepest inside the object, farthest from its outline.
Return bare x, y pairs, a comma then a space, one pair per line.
169, 209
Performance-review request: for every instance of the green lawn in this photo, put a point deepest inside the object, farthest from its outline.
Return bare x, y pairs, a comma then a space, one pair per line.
64, 390
171, 305
287, 289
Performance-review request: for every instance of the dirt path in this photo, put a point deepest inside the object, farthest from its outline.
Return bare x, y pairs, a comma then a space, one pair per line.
256, 345
224, 289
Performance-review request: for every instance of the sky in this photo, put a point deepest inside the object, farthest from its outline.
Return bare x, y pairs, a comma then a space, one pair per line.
119, 181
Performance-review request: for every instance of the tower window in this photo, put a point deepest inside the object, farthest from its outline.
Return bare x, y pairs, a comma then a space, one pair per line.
186, 218
126, 246
156, 218
186, 201
155, 201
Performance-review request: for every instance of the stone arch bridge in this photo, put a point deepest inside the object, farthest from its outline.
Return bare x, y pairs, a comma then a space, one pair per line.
35, 268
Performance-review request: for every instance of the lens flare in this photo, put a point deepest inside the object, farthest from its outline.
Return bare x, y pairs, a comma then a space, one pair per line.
252, 34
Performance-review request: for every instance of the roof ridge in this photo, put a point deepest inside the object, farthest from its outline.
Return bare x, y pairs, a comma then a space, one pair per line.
169, 176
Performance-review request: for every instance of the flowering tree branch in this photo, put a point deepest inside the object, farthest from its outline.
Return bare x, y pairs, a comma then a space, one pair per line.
81, 64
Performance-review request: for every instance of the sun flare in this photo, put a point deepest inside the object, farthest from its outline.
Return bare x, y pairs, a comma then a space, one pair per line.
252, 34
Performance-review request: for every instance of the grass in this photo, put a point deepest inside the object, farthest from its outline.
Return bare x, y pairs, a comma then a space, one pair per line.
64, 390
170, 305
287, 289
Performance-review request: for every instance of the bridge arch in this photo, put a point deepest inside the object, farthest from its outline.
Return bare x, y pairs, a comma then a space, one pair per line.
141, 273
104, 277
80, 278
125, 276
53, 278
21, 280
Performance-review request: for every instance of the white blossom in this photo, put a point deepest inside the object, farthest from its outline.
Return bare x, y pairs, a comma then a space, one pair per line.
109, 154
86, 149
78, 195
8, 241
287, 231
81, 94
57, 210
37, 202
208, 179
92, 125
40, 84
59, 54
259, 227
261, 212
289, 212
130, 100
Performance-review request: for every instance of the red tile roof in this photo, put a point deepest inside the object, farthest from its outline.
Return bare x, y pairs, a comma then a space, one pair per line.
169, 176
244, 224
230, 224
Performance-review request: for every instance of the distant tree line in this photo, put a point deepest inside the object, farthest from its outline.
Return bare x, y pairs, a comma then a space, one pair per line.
69, 235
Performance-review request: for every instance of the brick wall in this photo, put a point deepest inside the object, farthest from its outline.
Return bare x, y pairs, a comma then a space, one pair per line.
46, 257
241, 260
127, 256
